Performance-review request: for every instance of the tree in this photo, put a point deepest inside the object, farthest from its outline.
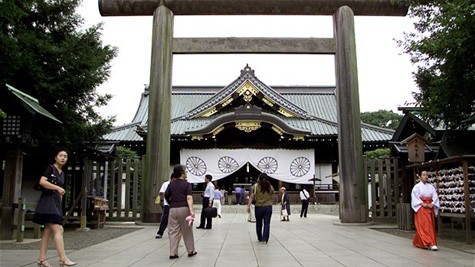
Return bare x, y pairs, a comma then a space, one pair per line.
378, 153
126, 153
45, 53
382, 118
443, 49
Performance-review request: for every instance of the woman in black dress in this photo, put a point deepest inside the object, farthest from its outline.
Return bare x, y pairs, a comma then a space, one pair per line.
49, 212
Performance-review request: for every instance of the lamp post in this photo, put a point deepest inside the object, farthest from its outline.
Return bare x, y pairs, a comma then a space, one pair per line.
313, 193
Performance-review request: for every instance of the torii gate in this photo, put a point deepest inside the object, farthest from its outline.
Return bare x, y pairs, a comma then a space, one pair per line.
353, 207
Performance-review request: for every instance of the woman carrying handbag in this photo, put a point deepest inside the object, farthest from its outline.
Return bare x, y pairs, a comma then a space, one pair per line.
285, 205
49, 211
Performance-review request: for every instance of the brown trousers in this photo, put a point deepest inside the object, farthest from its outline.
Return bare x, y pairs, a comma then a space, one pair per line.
177, 226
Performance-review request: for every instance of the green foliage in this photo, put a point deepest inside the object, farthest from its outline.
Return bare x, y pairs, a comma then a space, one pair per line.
443, 49
382, 118
45, 54
378, 153
126, 153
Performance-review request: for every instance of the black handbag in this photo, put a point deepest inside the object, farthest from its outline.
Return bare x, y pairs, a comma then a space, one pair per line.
210, 212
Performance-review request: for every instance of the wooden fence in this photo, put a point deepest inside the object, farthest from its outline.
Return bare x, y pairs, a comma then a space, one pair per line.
112, 188
124, 190
384, 188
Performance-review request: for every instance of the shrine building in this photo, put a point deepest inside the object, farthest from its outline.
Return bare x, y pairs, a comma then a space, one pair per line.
247, 127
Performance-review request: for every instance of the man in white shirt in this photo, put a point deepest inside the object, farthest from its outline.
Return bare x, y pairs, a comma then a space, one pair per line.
166, 209
304, 195
208, 196
217, 200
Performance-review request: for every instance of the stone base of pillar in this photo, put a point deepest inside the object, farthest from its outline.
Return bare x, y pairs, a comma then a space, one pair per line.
6, 227
353, 224
151, 217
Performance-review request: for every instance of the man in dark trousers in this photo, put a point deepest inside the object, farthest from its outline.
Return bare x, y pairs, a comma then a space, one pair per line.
166, 209
304, 195
207, 202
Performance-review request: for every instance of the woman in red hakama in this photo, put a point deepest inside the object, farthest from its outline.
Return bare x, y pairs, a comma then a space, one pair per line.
425, 203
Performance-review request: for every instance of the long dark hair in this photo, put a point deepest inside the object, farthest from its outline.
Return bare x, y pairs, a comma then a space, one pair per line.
263, 181
178, 170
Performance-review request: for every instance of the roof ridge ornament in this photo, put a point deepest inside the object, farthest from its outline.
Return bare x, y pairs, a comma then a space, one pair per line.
247, 70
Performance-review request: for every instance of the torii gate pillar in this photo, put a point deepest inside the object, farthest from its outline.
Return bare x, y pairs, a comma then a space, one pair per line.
157, 166
353, 207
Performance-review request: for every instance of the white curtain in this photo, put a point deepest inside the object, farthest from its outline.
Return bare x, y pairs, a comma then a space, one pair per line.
288, 165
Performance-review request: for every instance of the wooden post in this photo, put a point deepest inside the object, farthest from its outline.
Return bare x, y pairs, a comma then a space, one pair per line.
20, 229
11, 191
353, 207
120, 173
128, 165
466, 192
86, 173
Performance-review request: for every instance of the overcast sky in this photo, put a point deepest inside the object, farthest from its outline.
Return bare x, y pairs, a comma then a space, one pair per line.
385, 74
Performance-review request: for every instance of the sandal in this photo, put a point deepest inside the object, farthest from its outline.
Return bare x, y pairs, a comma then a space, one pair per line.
43, 263
192, 254
66, 262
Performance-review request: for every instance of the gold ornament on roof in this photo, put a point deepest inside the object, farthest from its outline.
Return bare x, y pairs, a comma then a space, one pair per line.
196, 137
209, 112
285, 112
277, 130
248, 126
247, 90
218, 130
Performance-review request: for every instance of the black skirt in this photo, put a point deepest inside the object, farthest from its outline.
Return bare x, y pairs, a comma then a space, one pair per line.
41, 218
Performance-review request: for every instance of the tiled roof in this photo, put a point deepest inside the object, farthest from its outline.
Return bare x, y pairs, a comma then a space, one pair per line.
126, 133
315, 107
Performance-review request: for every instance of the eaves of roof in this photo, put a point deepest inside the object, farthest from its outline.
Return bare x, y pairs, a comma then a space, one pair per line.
126, 133
31, 103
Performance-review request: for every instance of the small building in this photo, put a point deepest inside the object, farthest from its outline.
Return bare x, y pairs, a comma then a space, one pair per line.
19, 141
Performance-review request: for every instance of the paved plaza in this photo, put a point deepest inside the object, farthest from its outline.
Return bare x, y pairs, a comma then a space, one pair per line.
318, 240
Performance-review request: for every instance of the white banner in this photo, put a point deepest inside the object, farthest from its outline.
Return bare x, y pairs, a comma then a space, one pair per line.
293, 166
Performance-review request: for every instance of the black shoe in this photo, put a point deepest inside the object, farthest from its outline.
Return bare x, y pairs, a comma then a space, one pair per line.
208, 228
173, 257
192, 254
158, 236
200, 227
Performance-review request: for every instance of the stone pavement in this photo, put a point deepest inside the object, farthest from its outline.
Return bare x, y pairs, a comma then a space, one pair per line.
318, 240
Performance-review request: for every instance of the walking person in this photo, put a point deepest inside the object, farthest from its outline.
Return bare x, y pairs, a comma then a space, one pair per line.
166, 209
49, 211
425, 203
304, 195
285, 202
237, 191
179, 197
207, 202
217, 200
252, 208
264, 192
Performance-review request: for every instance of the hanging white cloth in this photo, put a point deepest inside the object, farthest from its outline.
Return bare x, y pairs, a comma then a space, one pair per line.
293, 166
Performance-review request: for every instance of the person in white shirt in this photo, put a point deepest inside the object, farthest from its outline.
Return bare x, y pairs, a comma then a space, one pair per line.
208, 196
304, 195
217, 200
166, 209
